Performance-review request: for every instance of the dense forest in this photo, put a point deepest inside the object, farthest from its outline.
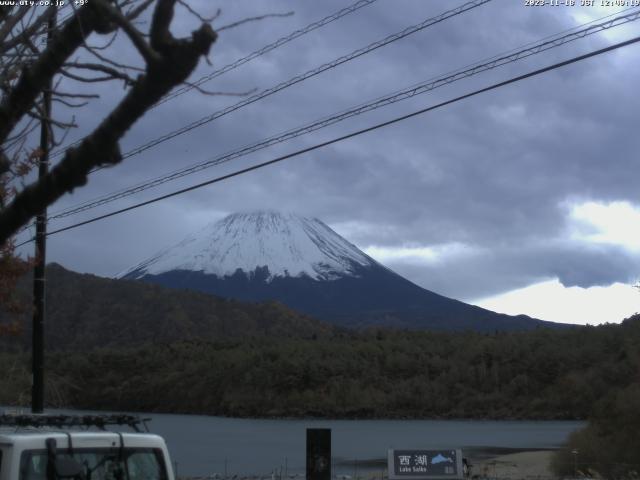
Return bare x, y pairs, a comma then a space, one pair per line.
85, 311
536, 375
609, 446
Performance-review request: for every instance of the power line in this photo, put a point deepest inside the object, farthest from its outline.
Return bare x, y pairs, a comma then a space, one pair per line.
309, 74
299, 78
304, 76
353, 134
266, 49
241, 61
409, 92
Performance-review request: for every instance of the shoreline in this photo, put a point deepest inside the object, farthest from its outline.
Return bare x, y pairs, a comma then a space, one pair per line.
517, 463
484, 463
489, 452
309, 417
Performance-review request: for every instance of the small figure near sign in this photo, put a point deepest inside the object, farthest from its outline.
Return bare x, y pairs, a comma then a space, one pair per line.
425, 464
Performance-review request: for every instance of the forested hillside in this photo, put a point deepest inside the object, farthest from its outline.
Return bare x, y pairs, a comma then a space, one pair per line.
536, 375
85, 311
609, 446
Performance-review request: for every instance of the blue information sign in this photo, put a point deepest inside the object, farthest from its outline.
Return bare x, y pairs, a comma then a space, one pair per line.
427, 464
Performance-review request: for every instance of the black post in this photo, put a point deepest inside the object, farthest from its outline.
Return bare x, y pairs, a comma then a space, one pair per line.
37, 366
318, 454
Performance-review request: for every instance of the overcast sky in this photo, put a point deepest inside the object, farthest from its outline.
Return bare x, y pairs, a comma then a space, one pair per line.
522, 200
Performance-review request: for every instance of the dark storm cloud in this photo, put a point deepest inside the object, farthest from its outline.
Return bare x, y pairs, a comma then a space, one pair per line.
484, 272
494, 172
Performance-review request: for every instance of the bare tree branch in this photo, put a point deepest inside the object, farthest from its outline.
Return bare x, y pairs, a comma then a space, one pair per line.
83, 79
111, 73
223, 94
70, 104
134, 35
4, 13
177, 58
108, 43
159, 33
16, 142
29, 31
93, 51
198, 15
52, 121
57, 143
10, 21
21, 133
34, 78
58, 93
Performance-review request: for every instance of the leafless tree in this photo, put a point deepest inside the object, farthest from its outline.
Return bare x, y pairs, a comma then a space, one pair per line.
80, 51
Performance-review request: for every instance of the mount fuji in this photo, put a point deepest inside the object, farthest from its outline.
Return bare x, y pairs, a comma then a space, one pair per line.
304, 264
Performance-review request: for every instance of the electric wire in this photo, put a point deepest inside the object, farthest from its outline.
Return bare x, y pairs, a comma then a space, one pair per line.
409, 92
241, 61
302, 77
352, 134
266, 49
514, 54
309, 74
299, 78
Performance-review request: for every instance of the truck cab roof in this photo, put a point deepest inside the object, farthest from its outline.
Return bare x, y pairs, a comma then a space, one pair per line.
31, 445
36, 439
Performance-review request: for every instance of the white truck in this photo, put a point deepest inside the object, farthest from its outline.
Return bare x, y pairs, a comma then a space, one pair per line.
41, 447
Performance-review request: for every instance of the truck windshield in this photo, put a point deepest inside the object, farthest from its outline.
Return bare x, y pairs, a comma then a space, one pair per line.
100, 464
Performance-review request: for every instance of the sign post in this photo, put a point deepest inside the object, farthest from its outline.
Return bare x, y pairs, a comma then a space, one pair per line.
425, 464
318, 454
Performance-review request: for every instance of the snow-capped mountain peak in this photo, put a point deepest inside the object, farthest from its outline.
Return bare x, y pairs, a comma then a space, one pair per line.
302, 263
287, 244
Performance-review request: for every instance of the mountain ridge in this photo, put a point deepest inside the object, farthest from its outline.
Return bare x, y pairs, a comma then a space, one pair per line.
304, 264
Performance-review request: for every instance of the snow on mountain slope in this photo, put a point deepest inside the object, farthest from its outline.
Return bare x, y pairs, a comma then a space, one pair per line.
287, 244
266, 256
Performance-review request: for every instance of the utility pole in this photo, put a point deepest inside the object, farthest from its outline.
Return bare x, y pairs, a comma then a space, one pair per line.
37, 339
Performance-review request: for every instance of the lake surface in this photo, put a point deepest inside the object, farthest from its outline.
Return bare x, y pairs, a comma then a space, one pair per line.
203, 445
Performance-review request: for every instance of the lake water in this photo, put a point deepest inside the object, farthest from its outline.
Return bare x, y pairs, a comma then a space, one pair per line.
203, 445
